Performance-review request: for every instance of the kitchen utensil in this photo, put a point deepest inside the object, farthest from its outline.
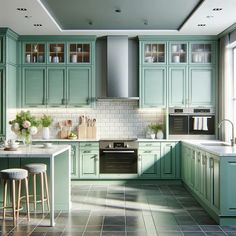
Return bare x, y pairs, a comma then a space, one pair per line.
82, 128
69, 125
94, 129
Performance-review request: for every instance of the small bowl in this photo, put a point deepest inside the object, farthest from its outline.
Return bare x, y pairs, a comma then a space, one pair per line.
47, 145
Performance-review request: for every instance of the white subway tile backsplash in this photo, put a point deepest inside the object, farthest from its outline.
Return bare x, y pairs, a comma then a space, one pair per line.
115, 119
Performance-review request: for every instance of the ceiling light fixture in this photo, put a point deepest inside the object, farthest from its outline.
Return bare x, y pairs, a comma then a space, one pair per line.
28, 17
201, 25
118, 10
209, 17
21, 9
217, 9
38, 25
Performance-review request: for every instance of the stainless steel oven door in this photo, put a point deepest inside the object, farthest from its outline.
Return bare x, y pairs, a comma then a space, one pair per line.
121, 161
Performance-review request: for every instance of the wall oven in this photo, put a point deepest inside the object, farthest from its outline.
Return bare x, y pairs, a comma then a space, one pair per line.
118, 157
192, 122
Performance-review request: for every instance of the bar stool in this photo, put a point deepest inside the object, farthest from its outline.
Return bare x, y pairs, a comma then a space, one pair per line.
35, 169
13, 175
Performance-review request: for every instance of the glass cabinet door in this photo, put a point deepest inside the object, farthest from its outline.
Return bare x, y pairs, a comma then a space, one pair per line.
178, 53
56, 53
79, 53
154, 53
201, 53
34, 53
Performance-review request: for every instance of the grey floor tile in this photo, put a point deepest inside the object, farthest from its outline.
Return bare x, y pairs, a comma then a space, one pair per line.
113, 228
170, 234
93, 228
113, 234
92, 233
114, 220
193, 234
228, 228
211, 228
190, 228
217, 233
136, 233
231, 233
168, 228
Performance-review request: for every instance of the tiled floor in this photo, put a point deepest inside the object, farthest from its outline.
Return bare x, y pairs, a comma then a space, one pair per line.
126, 209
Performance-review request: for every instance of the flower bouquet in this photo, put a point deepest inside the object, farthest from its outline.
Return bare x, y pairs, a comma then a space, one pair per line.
25, 125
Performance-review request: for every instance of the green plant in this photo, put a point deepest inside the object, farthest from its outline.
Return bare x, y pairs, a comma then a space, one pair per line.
155, 127
46, 121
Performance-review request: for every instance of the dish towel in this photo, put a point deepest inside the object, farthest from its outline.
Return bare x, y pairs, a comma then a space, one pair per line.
200, 123
204, 122
195, 123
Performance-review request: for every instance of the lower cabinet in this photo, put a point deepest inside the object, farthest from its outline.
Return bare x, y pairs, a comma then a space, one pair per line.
2, 104
149, 160
159, 160
201, 173
89, 160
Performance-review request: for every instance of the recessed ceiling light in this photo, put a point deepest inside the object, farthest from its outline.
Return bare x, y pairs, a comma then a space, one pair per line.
201, 25
21, 9
28, 17
118, 10
217, 9
38, 25
210, 16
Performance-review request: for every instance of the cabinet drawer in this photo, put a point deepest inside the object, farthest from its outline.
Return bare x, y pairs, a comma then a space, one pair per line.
149, 151
89, 145
89, 151
149, 145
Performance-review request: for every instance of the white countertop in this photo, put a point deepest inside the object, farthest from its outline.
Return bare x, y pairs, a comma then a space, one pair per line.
65, 140
35, 151
215, 147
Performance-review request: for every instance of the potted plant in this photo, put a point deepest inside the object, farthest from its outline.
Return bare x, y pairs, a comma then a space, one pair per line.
156, 130
46, 121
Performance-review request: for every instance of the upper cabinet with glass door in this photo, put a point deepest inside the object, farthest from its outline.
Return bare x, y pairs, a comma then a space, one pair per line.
56, 53
178, 53
202, 53
154, 53
79, 53
34, 53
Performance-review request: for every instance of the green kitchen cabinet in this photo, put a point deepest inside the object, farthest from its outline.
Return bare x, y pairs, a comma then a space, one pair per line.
169, 160
149, 165
79, 87
34, 87
202, 52
74, 157
178, 53
177, 91
202, 81
1, 49
69, 63
89, 160
153, 52
2, 102
34, 53
56, 84
153, 87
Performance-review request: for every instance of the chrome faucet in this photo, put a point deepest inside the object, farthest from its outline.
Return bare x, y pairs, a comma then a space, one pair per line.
232, 140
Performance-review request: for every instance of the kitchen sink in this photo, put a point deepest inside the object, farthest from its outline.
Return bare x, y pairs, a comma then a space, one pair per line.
214, 144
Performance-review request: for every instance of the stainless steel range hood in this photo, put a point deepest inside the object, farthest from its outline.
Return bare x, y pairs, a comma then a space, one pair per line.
118, 82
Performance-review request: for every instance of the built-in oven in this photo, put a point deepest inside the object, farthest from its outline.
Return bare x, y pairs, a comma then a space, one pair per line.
192, 121
118, 156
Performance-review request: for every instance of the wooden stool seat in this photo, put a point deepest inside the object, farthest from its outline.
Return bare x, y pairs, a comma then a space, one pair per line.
13, 175
35, 169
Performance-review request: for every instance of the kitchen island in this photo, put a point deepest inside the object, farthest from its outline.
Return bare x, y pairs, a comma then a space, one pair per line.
57, 159
208, 169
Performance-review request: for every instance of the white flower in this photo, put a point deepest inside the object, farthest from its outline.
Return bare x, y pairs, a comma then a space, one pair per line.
33, 130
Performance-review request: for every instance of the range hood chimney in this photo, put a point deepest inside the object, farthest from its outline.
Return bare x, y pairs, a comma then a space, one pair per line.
117, 69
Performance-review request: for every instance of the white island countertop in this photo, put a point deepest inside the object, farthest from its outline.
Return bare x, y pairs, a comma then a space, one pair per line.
215, 147
35, 151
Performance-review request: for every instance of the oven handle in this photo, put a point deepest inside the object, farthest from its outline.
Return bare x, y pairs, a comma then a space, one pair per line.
118, 151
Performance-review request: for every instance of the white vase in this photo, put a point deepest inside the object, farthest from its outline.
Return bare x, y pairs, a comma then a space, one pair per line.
153, 136
46, 133
160, 134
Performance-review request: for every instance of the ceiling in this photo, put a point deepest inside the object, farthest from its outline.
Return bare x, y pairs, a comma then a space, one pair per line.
100, 17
